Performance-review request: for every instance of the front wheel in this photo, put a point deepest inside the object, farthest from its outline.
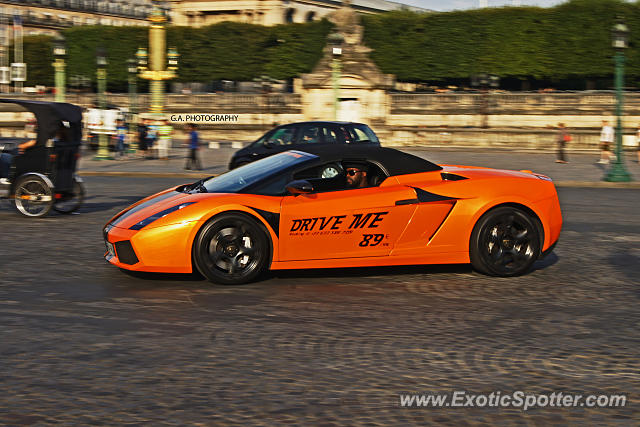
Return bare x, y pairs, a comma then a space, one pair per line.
69, 201
232, 249
33, 196
505, 242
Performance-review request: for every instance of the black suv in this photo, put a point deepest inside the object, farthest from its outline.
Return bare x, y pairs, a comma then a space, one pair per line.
296, 136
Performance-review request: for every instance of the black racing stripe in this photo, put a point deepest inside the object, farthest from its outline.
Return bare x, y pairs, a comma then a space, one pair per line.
272, 218
144, 205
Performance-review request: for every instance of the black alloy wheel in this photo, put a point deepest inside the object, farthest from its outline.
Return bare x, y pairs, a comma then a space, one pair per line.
232, 249
505, 242
70, 201
33, 196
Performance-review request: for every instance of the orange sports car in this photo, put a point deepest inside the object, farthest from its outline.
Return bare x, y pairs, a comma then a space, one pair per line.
352, 206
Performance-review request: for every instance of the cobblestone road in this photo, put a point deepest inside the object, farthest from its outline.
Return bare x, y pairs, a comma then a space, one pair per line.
83, 343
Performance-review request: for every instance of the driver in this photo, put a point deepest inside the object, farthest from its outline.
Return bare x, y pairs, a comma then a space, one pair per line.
356, 174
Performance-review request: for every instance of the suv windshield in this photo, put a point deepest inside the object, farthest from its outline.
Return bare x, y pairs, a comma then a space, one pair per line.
238, 179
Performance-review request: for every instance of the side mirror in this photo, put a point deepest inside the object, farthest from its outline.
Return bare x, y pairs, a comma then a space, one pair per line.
300, 186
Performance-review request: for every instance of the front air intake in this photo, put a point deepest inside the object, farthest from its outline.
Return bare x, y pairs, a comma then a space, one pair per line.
125, 252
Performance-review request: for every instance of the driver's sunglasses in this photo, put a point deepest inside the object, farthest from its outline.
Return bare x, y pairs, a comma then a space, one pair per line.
352, 172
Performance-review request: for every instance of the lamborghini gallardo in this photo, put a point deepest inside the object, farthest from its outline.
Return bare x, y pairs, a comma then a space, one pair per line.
299, 209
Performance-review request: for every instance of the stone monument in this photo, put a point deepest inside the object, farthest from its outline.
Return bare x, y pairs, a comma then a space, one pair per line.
346, 80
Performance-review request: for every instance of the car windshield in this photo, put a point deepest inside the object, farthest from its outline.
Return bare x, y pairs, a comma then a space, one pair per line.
238, 179
363, 133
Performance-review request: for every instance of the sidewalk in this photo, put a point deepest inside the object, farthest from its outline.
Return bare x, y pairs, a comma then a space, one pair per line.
581, 171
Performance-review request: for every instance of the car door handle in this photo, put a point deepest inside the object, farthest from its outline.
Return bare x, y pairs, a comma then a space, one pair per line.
407, 202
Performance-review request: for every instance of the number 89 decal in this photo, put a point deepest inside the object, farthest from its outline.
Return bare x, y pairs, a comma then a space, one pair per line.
371, 240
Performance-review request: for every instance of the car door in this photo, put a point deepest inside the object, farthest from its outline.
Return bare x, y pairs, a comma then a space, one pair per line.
360, 222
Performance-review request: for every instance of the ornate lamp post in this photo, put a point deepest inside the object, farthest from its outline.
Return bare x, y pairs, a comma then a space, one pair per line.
620, 33
132, 68
101, 74
335, 40
59, 54
158, 69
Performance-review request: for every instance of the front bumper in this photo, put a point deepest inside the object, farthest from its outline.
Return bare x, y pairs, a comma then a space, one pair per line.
164, 249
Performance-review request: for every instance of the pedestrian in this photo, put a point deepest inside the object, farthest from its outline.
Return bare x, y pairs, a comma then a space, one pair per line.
606, 140
121, 133
638, 142
152, 138
142, 137
193, 140
164, 139
562, 138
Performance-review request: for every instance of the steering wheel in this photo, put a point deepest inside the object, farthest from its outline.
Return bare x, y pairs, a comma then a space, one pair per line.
331, 170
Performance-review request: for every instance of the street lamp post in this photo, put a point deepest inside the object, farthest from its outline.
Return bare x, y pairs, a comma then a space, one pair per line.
158, 70
618, 172
101, 74
59, 54
132, 68
335, 40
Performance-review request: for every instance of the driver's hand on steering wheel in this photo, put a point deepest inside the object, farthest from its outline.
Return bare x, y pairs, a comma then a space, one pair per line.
26, 145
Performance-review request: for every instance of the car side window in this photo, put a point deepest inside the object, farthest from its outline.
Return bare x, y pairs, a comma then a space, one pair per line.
363, 133
282, 136
311, 135
330, 135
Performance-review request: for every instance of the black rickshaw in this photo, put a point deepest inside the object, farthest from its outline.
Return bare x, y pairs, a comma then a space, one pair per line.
43, 177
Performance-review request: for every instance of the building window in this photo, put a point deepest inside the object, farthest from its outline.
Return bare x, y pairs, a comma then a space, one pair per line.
311, 16
288, 16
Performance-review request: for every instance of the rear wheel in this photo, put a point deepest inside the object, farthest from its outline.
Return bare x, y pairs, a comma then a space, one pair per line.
33, 196
505, 242
232, 249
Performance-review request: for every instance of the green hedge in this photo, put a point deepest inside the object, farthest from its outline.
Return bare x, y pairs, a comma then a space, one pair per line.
569, 41
572, 40
227, 50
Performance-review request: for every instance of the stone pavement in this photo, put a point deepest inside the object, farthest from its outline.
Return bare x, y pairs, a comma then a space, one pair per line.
582, 171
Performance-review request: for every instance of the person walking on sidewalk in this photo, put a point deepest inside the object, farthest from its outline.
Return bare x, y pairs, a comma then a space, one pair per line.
194, 145
121, 134
606, 141
638, 142
164, 139
562, 138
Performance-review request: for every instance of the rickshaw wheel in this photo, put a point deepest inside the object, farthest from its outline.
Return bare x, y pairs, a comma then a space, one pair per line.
70, 202
33, 196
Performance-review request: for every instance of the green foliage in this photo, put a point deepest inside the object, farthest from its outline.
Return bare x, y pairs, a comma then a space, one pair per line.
569, 41
227, 50
572, 40
38, 56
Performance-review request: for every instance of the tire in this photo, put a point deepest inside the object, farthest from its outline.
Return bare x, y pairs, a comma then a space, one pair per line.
232, 249
33, 196
70, 201
505, 242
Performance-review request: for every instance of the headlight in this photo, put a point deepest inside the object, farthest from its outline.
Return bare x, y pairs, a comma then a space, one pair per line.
543, 177
158, 215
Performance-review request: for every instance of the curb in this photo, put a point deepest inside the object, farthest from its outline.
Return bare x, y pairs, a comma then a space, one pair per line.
565, 184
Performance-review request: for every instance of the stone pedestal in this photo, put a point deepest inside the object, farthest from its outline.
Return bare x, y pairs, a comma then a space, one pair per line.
362, 93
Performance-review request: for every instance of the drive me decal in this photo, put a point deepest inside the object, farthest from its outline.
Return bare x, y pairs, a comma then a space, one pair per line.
336, 224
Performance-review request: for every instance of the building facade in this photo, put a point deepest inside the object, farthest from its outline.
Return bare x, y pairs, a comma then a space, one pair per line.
197, 13
49, 16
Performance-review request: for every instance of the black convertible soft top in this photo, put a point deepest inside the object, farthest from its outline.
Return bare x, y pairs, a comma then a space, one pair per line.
50, 116
393, 162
